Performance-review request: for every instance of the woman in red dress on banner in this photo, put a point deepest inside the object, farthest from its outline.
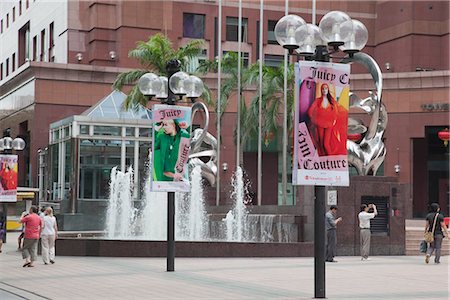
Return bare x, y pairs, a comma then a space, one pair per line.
328, 124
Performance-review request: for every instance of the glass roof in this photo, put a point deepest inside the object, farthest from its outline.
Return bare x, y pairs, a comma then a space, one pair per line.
112, 107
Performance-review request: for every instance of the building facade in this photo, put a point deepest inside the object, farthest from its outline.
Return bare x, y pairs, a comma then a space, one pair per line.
58, 58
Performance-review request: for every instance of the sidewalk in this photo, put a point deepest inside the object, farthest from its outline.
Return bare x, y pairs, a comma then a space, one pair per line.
384, 277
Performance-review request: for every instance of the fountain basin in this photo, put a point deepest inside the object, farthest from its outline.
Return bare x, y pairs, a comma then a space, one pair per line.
85, 246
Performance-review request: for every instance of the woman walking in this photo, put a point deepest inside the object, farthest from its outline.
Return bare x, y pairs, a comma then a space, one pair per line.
435, 224
48, 237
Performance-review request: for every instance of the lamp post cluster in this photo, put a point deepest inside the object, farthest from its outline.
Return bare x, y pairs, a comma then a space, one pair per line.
7, 145
178, 83
336, 32
167, 90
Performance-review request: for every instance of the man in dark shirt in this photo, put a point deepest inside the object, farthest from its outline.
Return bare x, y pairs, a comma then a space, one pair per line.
330, 226
435, 221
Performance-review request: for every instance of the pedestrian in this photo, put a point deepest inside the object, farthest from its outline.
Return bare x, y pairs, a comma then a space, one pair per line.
42, 212
435, 224
2, 229
33, 227
22, 234
48, 237
330, 225
364, 228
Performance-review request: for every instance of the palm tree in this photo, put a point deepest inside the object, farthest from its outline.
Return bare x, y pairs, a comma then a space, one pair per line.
153, 55
272, 101
229, 67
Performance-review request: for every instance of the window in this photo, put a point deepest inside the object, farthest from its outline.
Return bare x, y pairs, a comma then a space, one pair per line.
271, 32
232, 29
1, 71
42, 58
14, 14
1, 26
35, 48
273, 60
27, 4
13, 61
7, 67
7, 20
24, 44
51, 36
193, 26
20, 7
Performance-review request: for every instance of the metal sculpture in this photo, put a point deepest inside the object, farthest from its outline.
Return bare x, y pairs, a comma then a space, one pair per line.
368, 154
203, 147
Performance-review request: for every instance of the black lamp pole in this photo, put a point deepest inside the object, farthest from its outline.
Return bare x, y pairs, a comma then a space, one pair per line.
6, 133
321, 54
172, 67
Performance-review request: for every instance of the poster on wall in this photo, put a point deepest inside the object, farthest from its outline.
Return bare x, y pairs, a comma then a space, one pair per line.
170, 148
320, 128
8, 178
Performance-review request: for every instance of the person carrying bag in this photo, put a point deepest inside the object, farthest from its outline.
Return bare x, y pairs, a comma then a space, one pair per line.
434, 233
429, 235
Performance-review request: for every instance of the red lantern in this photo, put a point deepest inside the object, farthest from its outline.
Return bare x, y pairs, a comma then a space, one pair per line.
354, 136
444, 135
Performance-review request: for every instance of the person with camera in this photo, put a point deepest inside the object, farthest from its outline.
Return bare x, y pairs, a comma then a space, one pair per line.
367, 213
330, 224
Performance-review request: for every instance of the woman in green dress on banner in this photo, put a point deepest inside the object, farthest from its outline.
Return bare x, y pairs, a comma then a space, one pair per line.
166, 150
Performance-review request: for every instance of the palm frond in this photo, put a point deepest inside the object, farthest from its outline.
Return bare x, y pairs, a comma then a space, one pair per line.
130, 77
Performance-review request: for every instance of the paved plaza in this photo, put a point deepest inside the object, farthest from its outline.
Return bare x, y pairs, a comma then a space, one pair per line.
384, 277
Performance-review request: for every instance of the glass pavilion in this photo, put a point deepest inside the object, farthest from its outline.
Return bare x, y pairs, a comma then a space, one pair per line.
75, 169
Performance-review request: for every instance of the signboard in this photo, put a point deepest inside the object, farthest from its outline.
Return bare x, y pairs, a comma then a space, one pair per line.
332, 198
320, 127
171, 146
8, 178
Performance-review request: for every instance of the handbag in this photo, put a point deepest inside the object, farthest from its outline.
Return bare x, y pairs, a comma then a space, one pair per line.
429, 235
423, 246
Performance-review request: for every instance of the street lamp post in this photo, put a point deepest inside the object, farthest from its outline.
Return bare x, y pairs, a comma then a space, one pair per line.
336, 32
7, 145
168, 89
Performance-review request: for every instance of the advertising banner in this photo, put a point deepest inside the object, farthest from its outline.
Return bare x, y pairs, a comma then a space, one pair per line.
171, 146
8, 178
320, 128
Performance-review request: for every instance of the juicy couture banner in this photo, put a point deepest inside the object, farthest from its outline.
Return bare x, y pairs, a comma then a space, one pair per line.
8, 178
320, 139
171, 144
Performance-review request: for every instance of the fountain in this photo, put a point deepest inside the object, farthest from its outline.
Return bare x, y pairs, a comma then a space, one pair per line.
124, 221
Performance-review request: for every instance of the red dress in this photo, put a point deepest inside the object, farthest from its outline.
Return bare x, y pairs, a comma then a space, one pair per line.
328, 127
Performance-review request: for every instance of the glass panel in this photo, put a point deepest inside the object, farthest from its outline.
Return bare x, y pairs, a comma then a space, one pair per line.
68, 170
97, 158
54, 171
129, 131
129, 154
107, 130
145, 132
84, 129
66, 131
